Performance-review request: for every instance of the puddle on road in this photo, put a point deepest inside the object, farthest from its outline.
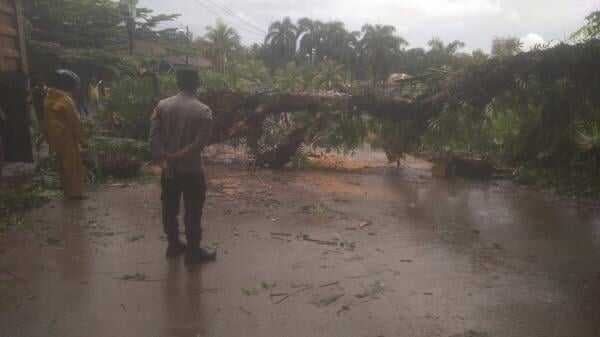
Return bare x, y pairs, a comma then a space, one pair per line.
488, 253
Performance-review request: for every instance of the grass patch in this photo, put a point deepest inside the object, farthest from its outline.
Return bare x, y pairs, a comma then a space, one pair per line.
15, 201
564, 182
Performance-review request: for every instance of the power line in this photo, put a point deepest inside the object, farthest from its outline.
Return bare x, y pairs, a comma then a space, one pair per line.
234, 13
254, 36
257, 36
229, 12
248, 28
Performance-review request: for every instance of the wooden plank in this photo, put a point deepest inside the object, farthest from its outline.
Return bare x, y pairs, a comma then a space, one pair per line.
9, 52
8, 42
21, 28
7, 20
8, 31
6, 9
11, 64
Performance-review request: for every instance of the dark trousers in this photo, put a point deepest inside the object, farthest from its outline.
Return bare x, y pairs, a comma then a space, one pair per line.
193, 188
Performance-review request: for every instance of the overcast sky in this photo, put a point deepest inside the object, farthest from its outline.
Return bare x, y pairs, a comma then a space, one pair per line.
476, 22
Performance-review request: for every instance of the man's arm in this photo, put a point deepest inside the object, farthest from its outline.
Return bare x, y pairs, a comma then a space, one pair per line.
202, 139
72, 120
156, 143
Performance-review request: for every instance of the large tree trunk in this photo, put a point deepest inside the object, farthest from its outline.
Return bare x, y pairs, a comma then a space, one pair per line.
237, 113
284, 152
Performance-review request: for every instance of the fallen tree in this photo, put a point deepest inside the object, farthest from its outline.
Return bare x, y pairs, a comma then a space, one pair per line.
562, 80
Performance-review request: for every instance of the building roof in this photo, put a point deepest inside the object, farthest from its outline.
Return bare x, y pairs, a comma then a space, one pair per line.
162, 51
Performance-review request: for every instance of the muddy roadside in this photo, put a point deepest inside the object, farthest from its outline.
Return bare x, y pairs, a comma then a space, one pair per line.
308, 253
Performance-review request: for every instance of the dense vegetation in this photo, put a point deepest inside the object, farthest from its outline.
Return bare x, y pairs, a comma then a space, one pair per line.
536, 110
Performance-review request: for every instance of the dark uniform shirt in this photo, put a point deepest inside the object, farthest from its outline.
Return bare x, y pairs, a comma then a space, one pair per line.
181, 123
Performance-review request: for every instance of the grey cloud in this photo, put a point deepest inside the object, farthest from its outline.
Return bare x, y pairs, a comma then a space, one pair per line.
476, 22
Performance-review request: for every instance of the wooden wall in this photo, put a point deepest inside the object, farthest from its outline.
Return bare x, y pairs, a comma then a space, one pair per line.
12, 43
14, 83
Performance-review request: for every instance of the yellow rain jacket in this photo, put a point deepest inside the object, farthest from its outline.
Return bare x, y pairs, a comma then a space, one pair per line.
64, 136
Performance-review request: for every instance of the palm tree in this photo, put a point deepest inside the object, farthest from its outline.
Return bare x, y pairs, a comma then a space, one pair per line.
289, 78
336, 40
441, 54
413, 61
437, 46
249, 75
479, 56
329, 76
310, 35
591, 29
379, 46
225, 41
331, 40
340, 45
506, 47
281, 39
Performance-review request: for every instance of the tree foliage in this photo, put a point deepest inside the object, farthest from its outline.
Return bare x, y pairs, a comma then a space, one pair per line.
379, 46
537, 107
84, 35
224, 44
506, 47
591, 28
88, 23
281, 39
329, 76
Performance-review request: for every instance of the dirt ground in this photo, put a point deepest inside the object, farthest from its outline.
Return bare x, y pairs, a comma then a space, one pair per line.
380, 252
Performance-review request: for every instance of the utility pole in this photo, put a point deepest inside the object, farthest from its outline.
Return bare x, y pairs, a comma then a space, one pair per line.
189, 46
130, 20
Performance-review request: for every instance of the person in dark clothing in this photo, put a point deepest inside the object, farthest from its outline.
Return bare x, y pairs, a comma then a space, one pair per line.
180, 129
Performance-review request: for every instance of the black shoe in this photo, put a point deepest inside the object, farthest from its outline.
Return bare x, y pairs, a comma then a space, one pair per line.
199, 255
175, 250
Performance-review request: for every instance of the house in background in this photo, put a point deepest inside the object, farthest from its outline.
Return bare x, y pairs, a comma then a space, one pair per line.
168, 56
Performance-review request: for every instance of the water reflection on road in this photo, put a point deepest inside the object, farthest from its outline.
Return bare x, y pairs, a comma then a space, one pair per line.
452, 256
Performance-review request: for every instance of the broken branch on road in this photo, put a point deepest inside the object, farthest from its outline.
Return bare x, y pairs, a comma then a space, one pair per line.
281, 300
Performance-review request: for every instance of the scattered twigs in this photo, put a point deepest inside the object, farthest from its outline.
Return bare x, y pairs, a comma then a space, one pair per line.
321, 242
278, 294
285, 297
245, 311
342, 309
14, 276
364, 224
329, 284
137, 277
280, 234
138, 280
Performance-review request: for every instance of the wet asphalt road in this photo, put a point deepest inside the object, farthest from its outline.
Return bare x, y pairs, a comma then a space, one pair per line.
386, 253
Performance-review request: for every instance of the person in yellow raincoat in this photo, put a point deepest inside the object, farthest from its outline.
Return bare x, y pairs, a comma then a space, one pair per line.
63, 131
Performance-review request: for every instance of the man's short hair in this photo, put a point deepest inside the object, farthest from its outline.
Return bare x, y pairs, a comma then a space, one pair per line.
188, 79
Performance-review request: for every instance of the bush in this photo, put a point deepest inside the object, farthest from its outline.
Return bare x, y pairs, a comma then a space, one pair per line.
132, 101
14, 202
214, 81
117, 157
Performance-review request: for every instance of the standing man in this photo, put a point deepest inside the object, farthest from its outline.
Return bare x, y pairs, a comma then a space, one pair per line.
63, 132
181, 128
93, 97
